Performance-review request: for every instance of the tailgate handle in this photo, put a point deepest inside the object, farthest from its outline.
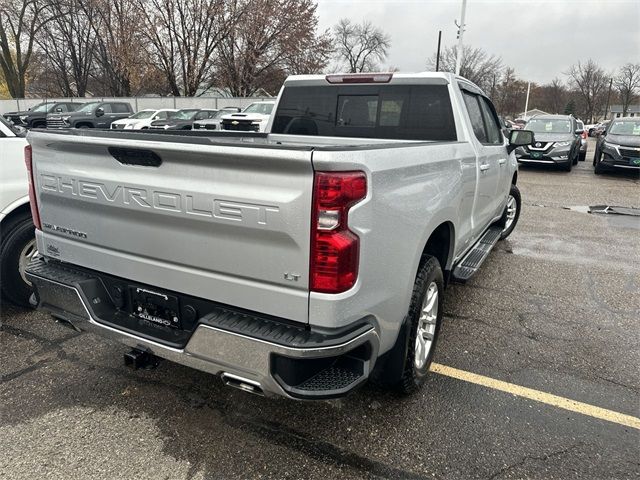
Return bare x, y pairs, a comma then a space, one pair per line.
136, 156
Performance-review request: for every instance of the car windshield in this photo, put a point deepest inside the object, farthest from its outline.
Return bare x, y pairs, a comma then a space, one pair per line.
185, 114
629, 127
42, 107
143, 114
88, 107
547, 125
262, 108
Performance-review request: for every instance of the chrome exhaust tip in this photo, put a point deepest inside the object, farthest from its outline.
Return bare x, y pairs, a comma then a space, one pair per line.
241, 383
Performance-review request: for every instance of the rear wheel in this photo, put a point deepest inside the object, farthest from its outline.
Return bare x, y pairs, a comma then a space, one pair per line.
423, 320
17, 249
576, 158
583, 156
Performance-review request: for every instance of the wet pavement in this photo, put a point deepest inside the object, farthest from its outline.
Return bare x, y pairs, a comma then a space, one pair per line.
555, 308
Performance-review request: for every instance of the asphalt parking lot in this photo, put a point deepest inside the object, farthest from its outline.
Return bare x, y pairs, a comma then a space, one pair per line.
555, 309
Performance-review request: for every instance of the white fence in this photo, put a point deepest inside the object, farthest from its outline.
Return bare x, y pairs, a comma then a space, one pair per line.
139, 103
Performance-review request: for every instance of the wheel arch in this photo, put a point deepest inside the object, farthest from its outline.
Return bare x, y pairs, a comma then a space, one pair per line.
18, 208
440, 244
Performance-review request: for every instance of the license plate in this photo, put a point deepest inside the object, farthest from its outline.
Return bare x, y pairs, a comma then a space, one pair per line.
155, 307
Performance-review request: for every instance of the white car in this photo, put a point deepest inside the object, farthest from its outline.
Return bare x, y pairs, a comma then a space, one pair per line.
142, 119
17, 241
254, 118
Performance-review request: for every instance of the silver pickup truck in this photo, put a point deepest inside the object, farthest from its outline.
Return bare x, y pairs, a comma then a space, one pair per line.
298, 262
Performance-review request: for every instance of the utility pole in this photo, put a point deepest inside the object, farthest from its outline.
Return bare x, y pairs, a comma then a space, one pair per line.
526, 102
438, 53
460, 34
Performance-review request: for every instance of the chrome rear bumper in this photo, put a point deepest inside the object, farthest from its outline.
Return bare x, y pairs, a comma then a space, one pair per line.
216, 350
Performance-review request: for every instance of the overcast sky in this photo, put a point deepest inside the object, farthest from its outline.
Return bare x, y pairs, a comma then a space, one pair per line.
539, 38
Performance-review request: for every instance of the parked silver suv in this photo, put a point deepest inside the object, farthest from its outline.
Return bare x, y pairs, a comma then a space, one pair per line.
558, 141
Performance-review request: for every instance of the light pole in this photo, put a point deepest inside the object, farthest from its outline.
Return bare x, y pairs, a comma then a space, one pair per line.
526, 102
460, 34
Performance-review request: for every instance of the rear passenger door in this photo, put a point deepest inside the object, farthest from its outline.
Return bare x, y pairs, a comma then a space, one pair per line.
489, 155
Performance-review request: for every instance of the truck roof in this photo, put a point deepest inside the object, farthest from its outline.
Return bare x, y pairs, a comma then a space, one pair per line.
397, 78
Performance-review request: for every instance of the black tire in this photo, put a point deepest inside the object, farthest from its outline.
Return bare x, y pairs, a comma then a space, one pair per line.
410, 378
576, 157
583, 156
14, 240
596, 156
515, 193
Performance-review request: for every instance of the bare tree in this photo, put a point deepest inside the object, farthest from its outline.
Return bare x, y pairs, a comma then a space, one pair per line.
68, 44
477, 65
510, 94
362, 46
591, 82
627, 83
20, 22
184, 36
271, 39
120, 49
551, 97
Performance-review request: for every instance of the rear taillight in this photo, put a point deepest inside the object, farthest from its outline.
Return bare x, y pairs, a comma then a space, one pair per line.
584, 135
28, 161
335, 248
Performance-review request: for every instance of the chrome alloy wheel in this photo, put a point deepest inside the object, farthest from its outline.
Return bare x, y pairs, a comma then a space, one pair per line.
28, 252
426, 326
512, 207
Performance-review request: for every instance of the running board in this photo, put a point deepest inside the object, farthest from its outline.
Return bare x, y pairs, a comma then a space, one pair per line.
469, 265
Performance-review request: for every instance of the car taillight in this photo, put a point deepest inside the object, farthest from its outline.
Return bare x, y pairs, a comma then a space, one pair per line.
28, 160
584, 135
334, 248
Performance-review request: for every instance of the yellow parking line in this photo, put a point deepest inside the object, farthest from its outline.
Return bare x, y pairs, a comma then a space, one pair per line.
538, 396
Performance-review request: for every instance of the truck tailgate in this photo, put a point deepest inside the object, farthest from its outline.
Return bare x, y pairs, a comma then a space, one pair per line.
225, 223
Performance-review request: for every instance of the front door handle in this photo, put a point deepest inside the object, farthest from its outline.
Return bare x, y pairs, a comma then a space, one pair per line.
484, 167
502, 161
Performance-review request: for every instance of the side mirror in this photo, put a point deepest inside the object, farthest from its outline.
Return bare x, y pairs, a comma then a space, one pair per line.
519, 138
578, 131
99, 112
58, 109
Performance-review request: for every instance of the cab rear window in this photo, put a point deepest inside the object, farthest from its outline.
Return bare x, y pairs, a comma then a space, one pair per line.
417, 112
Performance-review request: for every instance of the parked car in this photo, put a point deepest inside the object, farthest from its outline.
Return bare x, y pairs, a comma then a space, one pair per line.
254, 118
584, 140
618, 147
36, 117
518, 124
17, 241
291, 264
90, 115
182, 119
601, 128
213, 122
142, 120
590, 128
558, 141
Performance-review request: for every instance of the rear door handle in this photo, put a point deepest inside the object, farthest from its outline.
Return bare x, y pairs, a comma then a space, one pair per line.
502, 161
484, 166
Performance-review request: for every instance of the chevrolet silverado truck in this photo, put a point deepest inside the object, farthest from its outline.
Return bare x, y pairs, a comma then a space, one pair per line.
298, 262
17, 239
36, 117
